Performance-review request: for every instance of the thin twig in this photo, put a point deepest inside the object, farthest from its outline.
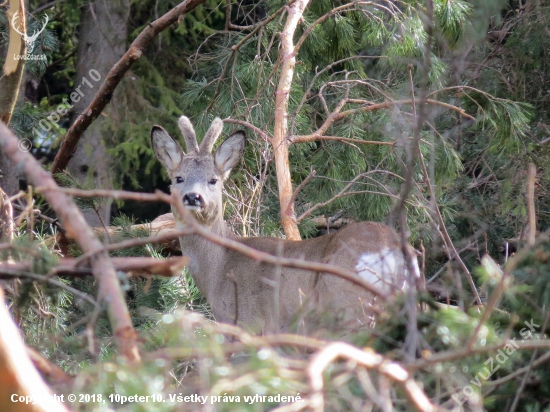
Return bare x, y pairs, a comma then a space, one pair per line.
234, 50
531, 204
451, 249
519, 390
543, 359
264, 135
301, 186
61, 285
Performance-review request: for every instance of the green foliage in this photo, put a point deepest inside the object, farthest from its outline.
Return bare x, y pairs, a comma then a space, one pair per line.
242, 85
66, 179
452, 18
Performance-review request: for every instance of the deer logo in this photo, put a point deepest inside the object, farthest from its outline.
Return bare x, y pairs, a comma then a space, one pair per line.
29, 40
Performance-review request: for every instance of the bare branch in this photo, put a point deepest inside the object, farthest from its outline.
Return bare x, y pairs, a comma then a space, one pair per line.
460, 353
47, 368
264, 135
105, 93
531, 212
77, 228
342, 193
451, 249
369, 359
297, 139
135, 266
337, 115
301, 185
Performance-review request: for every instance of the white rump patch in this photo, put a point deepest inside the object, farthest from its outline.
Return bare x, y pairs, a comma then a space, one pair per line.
385, 269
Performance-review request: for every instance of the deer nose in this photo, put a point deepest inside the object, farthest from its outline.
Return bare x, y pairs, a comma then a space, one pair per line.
192, 199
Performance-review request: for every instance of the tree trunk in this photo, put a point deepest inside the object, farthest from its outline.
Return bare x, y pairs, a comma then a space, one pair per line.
102, 43
280, 145
10, 82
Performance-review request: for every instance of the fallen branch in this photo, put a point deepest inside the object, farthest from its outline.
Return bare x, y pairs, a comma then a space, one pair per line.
134, 266
369, 359
105, 93
47, 368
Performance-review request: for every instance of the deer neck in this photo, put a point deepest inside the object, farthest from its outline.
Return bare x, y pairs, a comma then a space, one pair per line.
206, 259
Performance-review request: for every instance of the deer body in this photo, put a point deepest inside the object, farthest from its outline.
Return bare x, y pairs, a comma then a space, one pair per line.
261, 296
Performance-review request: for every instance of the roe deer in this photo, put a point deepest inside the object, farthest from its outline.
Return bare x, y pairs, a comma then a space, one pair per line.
372, 250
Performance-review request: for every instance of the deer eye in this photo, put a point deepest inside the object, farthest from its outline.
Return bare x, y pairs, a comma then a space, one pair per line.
179, 179
213, 181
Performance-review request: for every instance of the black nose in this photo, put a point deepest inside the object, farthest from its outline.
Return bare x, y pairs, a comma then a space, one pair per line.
192, 199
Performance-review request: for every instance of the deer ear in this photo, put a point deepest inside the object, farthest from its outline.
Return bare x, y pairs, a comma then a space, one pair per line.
167, 150
230, 152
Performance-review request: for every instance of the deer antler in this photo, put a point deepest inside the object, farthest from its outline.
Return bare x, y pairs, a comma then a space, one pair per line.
189, 135
211, 136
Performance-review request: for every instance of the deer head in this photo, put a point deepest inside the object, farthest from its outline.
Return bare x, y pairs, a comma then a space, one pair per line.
198, 175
